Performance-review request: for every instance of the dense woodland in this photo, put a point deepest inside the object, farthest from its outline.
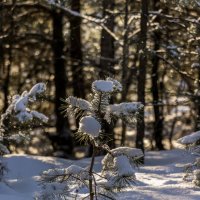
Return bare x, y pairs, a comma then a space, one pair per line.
151, 47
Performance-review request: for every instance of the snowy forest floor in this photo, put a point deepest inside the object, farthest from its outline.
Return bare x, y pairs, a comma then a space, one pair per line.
159, 179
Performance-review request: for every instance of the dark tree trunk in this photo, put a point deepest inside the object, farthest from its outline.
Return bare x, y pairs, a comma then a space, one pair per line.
197, 105
1, 47
76, 51
60, 82
107, 42
158, 115
125, 66
107, 57
59, 67
1, 41
10, 57
142, 72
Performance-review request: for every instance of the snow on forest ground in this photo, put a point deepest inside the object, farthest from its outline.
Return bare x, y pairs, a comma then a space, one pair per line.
159, 179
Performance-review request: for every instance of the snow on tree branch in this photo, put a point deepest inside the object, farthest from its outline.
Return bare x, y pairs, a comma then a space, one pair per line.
123, 166
90, 125
74, 105
103, 86
190, 139
127, 111
132, 154
18, 117
18, 114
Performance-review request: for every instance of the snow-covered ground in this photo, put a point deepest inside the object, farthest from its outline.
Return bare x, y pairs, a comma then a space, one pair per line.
159, 179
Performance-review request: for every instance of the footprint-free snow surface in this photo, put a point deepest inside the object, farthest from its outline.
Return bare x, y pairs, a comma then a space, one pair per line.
159, 179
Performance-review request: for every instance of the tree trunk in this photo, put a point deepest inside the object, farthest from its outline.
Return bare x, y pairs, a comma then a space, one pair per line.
142, 72
158, 115
10, 57
76, 52
197, 105
107, 58
60, 81
1, 41
107, 42
59, 67
125, 66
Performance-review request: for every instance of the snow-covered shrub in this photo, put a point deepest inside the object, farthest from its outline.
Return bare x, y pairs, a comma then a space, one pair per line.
192, 144
19, 119
118, 166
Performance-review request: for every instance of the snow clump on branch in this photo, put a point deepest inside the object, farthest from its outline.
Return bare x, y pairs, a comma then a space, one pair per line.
89, 125
108, 86
190, 139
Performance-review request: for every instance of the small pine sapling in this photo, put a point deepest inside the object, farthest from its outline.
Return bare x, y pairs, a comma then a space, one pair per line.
192, 144
118, 166
19, 119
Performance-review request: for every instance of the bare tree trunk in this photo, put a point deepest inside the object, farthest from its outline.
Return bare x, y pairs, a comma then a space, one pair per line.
107, 57
197, 105
59, 67
125, 66
1, 46
60, 80
142, 72
76, 51
107, 41
158, 115
10, 56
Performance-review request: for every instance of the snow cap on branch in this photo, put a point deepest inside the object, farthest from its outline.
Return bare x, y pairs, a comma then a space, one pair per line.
127, 110
20, 104
39, 116
108, 86
37, 89
72, 169
89, 125
109, 161
103, 86
116, 84
189, 139
78, 103
124, 108
128, 151
123, 166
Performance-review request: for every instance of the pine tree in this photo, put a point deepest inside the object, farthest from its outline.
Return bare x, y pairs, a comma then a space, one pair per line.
118, 164
18, 120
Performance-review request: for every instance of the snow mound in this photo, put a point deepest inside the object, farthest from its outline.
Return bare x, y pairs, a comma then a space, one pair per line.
160, 177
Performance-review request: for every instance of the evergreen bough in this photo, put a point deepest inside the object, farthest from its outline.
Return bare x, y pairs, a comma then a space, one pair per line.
18, 120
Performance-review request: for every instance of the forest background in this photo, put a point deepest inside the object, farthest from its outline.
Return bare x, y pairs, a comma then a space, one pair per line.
151, 47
